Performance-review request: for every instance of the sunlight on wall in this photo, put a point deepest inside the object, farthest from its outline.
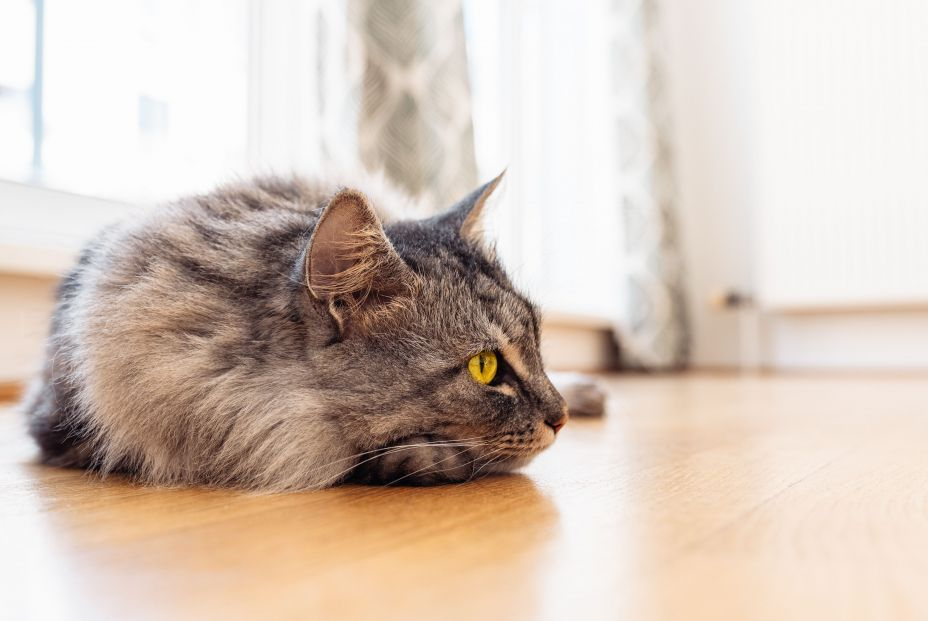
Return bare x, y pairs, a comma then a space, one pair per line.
543, 111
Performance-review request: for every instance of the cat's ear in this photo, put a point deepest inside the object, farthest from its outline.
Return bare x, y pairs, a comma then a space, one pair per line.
467, 214
351, 265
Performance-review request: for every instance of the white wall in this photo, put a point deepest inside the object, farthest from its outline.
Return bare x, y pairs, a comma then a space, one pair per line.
841, 150
885, 341
708, 74
725, 73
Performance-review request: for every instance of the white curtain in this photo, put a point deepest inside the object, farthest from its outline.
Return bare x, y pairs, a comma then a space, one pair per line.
653, 328
415, 115
381, 83
568, 96
571, 96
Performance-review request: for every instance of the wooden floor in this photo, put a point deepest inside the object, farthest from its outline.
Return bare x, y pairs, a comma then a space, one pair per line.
699, 497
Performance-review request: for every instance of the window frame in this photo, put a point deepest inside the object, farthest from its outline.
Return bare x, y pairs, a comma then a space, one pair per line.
42, 227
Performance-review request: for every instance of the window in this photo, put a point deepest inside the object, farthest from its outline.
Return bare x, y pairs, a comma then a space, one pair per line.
127, 99
17, 71
544, 111
144, 100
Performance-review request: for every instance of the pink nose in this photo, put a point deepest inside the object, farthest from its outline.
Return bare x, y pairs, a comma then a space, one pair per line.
559, 421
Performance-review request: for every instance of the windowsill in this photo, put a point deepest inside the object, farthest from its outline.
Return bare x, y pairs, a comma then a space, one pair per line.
37, 261
42, 230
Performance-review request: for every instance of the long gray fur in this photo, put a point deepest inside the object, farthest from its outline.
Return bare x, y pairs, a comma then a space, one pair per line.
193, 347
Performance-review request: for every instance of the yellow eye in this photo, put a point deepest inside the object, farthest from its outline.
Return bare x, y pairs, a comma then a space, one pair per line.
483, 367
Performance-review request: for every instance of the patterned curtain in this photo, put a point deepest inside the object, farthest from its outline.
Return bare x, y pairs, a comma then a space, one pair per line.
408, 100
653, 333
415, 114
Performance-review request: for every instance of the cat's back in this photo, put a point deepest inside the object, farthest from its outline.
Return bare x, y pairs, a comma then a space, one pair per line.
239, 232
191, 294
211, 238
200, 269
186, 318
209, 267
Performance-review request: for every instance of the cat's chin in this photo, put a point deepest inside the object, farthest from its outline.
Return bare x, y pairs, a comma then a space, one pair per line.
511, 464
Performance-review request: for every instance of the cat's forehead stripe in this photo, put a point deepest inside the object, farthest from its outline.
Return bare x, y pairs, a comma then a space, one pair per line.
511, 353
486, 279
517, 316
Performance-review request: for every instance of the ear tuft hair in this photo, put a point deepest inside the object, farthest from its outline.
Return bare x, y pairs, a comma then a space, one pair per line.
352, 266
467, 214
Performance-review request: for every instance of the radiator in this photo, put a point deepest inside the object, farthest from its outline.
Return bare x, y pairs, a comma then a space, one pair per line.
841, 98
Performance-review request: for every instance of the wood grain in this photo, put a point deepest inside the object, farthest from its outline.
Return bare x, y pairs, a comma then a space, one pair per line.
10, 391
698, 497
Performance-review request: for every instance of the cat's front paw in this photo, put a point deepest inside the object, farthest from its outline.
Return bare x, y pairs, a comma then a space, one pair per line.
583, 394
418, 460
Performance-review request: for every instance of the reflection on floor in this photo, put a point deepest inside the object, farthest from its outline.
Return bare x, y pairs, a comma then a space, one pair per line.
698, 497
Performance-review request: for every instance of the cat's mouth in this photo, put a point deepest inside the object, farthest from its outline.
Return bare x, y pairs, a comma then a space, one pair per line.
524, 443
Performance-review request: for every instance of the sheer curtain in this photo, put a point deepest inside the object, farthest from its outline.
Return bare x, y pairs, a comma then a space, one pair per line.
653, 325
568, 96
415, 114
571, 97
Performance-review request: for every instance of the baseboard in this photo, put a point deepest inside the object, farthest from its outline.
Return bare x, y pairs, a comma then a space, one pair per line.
578, 344
887, 341
11, 391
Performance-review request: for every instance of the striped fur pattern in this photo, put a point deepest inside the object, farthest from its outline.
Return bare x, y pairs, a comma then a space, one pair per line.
286, 334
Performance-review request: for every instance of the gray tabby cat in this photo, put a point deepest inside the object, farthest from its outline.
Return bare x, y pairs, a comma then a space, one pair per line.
277, 336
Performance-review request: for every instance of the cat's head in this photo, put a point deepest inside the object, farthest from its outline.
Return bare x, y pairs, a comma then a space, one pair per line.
434, 355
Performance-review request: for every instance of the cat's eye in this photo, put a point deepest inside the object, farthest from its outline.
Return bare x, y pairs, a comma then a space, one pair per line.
483, 366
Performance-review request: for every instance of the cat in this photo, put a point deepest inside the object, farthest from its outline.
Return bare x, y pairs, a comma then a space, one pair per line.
287, 334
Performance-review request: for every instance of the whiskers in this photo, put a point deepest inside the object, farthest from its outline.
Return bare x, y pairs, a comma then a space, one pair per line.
466, 464
466, 444
494, 456
429, 467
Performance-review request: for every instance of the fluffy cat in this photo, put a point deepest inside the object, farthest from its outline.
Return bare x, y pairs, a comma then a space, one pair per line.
284, 335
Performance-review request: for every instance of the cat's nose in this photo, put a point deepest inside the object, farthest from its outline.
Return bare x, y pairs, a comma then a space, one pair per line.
557, 419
